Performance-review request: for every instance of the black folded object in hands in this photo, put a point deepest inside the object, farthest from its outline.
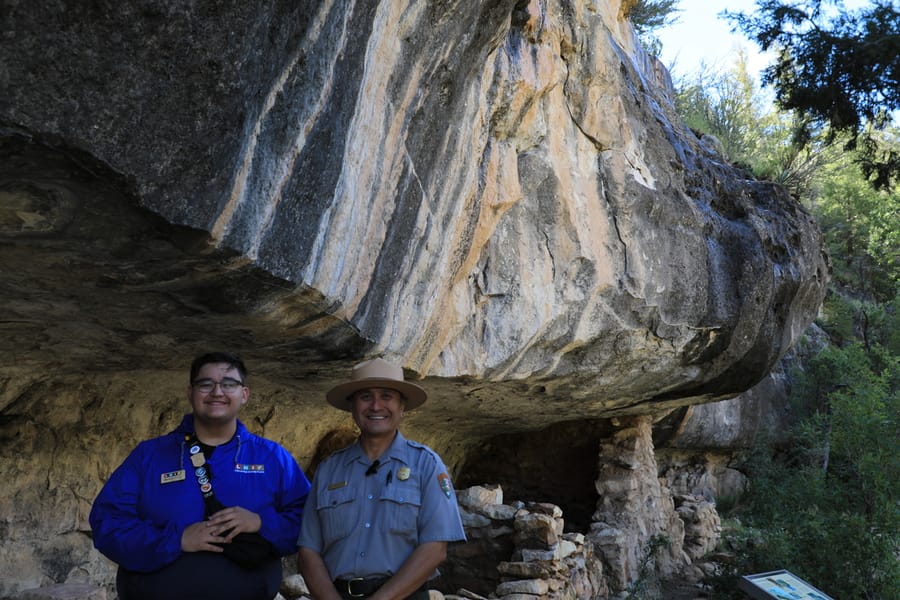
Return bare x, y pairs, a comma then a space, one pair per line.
249, 550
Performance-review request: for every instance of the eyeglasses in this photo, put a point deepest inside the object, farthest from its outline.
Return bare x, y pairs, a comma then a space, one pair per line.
228, 385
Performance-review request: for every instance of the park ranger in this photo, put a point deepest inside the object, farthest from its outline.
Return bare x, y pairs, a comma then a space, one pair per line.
381, 511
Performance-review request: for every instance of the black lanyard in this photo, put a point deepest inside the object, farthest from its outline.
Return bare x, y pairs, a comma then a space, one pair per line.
203, 472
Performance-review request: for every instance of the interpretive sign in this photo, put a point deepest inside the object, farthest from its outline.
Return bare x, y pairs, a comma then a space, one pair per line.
782, 585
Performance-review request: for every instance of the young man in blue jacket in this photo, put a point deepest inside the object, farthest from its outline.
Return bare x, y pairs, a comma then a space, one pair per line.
207, 510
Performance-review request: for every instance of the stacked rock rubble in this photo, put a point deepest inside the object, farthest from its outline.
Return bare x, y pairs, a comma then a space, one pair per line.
707, 475
520, 551
523, 548
638, 519
702, 526
489, 539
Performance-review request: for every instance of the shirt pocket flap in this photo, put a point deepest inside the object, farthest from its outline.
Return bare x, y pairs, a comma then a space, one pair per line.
338, 512
335, 498
402, 495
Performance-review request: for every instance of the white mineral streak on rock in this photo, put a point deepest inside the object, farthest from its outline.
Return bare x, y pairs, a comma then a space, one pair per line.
504, 272
364, 198
285, 166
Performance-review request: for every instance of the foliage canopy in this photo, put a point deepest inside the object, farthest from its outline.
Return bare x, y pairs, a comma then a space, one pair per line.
839, 68
648, 15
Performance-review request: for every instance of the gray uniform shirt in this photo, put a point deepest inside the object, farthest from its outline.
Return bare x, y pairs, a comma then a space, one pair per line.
368, 525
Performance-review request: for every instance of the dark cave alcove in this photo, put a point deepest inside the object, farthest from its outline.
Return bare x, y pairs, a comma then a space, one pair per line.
557, 465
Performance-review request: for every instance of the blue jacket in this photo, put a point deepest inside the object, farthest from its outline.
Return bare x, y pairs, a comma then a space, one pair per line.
142, 510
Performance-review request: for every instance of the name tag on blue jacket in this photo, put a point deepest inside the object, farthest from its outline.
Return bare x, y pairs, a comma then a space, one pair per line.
172, 476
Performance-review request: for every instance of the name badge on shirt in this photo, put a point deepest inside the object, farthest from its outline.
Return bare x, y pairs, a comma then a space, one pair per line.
338, 485
172, 476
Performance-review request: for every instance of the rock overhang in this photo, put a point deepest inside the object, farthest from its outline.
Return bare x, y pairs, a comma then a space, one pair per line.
512, 211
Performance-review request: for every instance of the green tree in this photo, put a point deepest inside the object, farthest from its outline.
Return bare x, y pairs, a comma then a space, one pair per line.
835, 482
649, 15
862, 229
729, 105
839, 68
725, 104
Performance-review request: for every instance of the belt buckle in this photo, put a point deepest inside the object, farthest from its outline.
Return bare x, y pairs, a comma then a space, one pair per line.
350, 587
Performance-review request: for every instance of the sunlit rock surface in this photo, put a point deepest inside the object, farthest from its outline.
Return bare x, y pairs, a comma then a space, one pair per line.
498, 195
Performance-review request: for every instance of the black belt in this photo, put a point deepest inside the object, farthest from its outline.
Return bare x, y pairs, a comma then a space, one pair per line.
359, 587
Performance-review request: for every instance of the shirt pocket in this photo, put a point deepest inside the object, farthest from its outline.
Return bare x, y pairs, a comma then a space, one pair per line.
400, 507
338, 512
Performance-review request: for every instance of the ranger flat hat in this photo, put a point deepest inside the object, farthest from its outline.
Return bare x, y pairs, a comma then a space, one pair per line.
377, 373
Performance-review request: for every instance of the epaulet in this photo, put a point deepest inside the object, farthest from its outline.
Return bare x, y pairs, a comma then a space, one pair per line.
416, 444
337, 452
423, 447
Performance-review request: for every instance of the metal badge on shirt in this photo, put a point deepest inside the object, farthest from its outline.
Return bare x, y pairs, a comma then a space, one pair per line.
198, 459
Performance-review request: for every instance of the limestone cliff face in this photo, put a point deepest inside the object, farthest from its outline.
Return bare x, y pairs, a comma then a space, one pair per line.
494, 189
495, 193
